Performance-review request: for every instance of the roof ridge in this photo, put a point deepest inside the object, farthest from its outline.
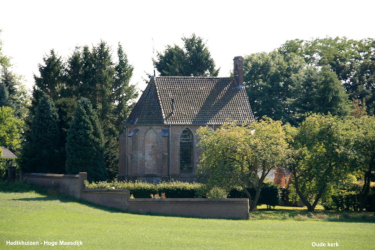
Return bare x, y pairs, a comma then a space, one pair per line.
160, 103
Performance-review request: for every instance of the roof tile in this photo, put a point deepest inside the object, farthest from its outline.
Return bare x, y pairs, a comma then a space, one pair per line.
197, 100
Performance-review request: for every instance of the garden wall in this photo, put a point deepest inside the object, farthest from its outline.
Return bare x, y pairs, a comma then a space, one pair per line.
63, 183
73, 185
211, 208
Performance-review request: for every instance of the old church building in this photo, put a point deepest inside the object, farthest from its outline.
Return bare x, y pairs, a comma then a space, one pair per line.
160, 142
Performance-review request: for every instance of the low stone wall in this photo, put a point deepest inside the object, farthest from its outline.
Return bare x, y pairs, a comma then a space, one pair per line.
73, 185
117, 198
210, 208
63, 183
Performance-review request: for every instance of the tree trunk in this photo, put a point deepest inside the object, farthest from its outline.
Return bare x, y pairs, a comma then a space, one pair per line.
302, 197
251, 202
365, 189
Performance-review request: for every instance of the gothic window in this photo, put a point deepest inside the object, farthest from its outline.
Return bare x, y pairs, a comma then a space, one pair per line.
186, 151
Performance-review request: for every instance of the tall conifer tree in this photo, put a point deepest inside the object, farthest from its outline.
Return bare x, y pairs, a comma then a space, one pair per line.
41, 152
85, 143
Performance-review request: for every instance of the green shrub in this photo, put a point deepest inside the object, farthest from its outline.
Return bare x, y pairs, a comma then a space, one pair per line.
370, 203
343, 202
217, 193
175, 189
269, 194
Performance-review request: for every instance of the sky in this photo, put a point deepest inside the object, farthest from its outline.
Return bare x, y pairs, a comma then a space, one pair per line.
30, 29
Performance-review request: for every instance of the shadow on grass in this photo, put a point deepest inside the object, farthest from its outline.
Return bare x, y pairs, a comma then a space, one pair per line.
319, 215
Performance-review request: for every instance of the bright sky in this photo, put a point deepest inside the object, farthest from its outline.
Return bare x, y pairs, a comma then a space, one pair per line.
30, 29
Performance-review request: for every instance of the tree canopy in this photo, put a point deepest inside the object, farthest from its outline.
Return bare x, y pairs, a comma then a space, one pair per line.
10, 129
364, 148
91, 73
242, 155
322, 151
353, 61
194, 59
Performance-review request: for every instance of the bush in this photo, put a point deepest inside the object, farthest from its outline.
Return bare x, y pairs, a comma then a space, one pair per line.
178, 189
342, 202
269, 194
175, 189
370, 203
217, 193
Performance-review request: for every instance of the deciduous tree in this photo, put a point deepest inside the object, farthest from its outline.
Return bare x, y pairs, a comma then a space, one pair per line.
351, 60
364, 146
322, 150
235, 155
10, 129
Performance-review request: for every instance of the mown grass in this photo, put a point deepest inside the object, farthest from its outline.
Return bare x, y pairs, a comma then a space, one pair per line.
37, 216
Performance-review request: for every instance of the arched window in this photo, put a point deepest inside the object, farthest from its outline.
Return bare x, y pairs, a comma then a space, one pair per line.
186, 151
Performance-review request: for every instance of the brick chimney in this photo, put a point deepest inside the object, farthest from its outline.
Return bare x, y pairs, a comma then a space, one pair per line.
238, 70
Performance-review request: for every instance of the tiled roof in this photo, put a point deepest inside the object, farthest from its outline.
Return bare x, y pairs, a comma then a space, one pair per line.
7, 153
147, 110
197, 100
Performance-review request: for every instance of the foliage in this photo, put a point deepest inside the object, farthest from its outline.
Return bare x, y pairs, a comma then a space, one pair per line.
4, 96
90, 73
41, 152
192, 60
329, 96
273, 82
175, 189
322, 152
85, 144
284, 87
364, 146
10, 129
12, 92
51, 79
268, 196
237, 155
351, 60
344, 202
217, 193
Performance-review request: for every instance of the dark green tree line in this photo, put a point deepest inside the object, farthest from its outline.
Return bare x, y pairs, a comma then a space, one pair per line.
42, 153
284, 87
91, 73
194, 59
353, 61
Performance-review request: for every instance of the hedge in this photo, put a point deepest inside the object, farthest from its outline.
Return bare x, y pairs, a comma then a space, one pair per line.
177, 189
350, 202
269, 195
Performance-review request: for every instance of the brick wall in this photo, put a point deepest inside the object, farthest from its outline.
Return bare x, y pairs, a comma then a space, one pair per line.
63, 183
210, 208
73, 185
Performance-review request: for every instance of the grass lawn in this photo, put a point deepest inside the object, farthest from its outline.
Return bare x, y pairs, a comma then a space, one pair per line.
31, 216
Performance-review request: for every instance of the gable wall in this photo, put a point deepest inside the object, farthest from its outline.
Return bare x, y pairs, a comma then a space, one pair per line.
149, 146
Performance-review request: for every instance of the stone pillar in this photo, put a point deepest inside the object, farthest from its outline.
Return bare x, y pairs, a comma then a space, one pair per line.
82, 179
